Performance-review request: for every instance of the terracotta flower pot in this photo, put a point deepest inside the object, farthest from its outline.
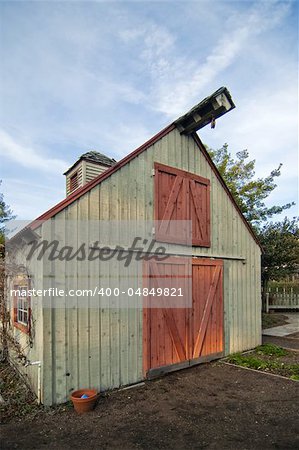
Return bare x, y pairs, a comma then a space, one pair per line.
83, 405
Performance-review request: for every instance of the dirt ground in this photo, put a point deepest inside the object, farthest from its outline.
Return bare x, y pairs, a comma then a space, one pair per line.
294, 335
273, 319
285, 342
213, 406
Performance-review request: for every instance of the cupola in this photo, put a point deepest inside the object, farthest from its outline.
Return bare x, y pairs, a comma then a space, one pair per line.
87, 167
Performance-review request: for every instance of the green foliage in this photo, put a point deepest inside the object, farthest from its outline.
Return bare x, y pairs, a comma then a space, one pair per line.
5, 215
247, 361
267, 365
249, 192
281, 243
284, 284
280, 240
5, 212
294, 377
271, 349
294, 370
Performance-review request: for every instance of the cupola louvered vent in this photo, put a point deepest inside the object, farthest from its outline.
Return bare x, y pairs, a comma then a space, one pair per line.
88, 166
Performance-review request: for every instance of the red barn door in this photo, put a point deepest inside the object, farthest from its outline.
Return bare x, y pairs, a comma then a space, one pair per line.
179, 337
181, 196
207, 308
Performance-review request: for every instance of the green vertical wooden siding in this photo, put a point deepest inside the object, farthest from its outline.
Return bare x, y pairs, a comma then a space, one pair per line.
102, 347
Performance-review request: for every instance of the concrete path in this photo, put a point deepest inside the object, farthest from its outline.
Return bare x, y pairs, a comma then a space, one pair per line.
284, 334
284, 330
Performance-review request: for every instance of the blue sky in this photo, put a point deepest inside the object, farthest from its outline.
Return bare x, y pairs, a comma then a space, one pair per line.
77, 76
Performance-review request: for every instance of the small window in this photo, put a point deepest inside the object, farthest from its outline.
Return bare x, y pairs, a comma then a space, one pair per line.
22, 308
74, 182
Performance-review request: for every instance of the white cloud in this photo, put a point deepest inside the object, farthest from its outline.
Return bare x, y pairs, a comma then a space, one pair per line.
27, 156
129, 35
158, 42
27, 200
64, 74
128, 138
272, 123
177, 81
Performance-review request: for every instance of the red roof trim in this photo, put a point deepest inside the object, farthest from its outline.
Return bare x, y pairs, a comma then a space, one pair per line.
87, 187
218, 175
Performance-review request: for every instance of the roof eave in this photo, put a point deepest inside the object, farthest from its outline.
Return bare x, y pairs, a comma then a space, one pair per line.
211, 108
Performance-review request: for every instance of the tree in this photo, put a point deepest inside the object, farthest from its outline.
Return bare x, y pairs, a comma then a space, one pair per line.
249, 193
5, 215
281, 243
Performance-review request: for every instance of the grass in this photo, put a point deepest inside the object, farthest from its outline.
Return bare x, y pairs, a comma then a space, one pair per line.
295, 377
267, 358
271, 350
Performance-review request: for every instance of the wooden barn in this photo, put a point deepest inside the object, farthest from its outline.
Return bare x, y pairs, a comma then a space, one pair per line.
169, 179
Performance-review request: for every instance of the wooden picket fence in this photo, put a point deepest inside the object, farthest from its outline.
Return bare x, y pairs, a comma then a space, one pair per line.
282, 298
